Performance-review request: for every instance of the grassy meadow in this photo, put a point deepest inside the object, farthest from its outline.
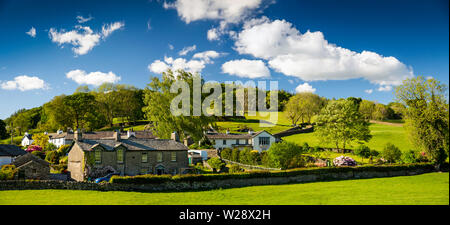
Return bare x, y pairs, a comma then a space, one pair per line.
425, 189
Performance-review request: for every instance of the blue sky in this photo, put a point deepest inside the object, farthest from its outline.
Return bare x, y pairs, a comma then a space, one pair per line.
337, 49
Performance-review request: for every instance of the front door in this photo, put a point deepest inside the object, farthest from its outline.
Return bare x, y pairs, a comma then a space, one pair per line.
160, 170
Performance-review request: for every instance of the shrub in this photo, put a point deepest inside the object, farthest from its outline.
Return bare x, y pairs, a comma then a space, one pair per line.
64, 149
39, 154
216, 164
409, 157
282, 153
194, 146
362, 151
244, 156
391, 153
64, 160
344, 161
305, 147
8, 172
50, 147
52, 157
374, 153
32, 148
235, 155
226, 153
235, 168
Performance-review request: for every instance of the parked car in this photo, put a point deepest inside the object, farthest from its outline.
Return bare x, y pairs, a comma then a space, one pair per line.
105, 178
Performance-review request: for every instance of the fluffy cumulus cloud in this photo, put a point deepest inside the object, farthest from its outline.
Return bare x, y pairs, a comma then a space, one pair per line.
305, 88
246, 68
195, 65
368, 91
32, 32
225, 11
93, 78
310, 57
83, 38
24, 83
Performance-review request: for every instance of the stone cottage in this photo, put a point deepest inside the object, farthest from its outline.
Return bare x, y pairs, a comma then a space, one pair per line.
261, 140
128, 156
31, 167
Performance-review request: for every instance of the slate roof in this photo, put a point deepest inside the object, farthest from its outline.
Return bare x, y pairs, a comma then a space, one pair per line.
232, 135
11, 150
133, 144
28, 157
104, 135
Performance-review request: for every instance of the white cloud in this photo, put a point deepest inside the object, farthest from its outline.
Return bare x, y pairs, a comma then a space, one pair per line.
24, 83
32, 32
246, 68
186, 50
193, 66
212, 34
310, 57
231, 11
225, 11
170, 47
93, 78
81, 19
207, 55
368, 91
109, 28
82, 38
305, 88
385, 88
149, 27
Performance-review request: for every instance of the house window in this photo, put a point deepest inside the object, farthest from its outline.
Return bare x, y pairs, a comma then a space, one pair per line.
264, 140
159, 156
173, 156
237, 141
98, 156
224, 142
144, 157
119, 155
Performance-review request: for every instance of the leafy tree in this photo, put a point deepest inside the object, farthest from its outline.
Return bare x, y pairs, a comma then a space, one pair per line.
158, 98
366, 108
3, 132
41, 140
341, 123
79, 105
281, 154
226, 153
426, 115
303, 106
216, 164
391, 153
382, 112
363, 151
409, 156
56, 115
235, 155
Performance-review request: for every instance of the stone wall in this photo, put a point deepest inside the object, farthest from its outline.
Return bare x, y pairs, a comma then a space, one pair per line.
207, 185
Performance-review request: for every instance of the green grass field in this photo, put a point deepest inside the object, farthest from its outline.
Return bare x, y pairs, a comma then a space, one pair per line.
425, 189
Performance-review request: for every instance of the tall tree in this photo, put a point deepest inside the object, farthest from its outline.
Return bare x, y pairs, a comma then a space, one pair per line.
79, 105
158, 98
341, 123
366, 108
427, 115
3, 132
303, 106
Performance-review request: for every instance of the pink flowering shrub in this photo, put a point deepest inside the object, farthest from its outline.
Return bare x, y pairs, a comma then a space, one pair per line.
33, 148
344, 161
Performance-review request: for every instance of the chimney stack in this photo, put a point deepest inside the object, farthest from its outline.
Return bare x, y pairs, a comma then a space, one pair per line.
78, 136
228, 131
175, 136
131, 133
117, 135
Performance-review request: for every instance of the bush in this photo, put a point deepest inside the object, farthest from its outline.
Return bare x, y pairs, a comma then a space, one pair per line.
64, 150
32, 148
226, 153
50, 147
391, 153
8, 172
52, 157
216, 164
409, 157
374, 153
282, 153
344, 161
362, 151
235, 169
235, 155
39, 154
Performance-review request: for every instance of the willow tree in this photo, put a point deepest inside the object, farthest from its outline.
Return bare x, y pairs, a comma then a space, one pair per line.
426, 115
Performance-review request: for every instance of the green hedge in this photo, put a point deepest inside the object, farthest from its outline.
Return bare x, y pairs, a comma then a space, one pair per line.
157, 179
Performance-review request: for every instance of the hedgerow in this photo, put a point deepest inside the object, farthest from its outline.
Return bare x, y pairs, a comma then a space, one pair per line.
158, 179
